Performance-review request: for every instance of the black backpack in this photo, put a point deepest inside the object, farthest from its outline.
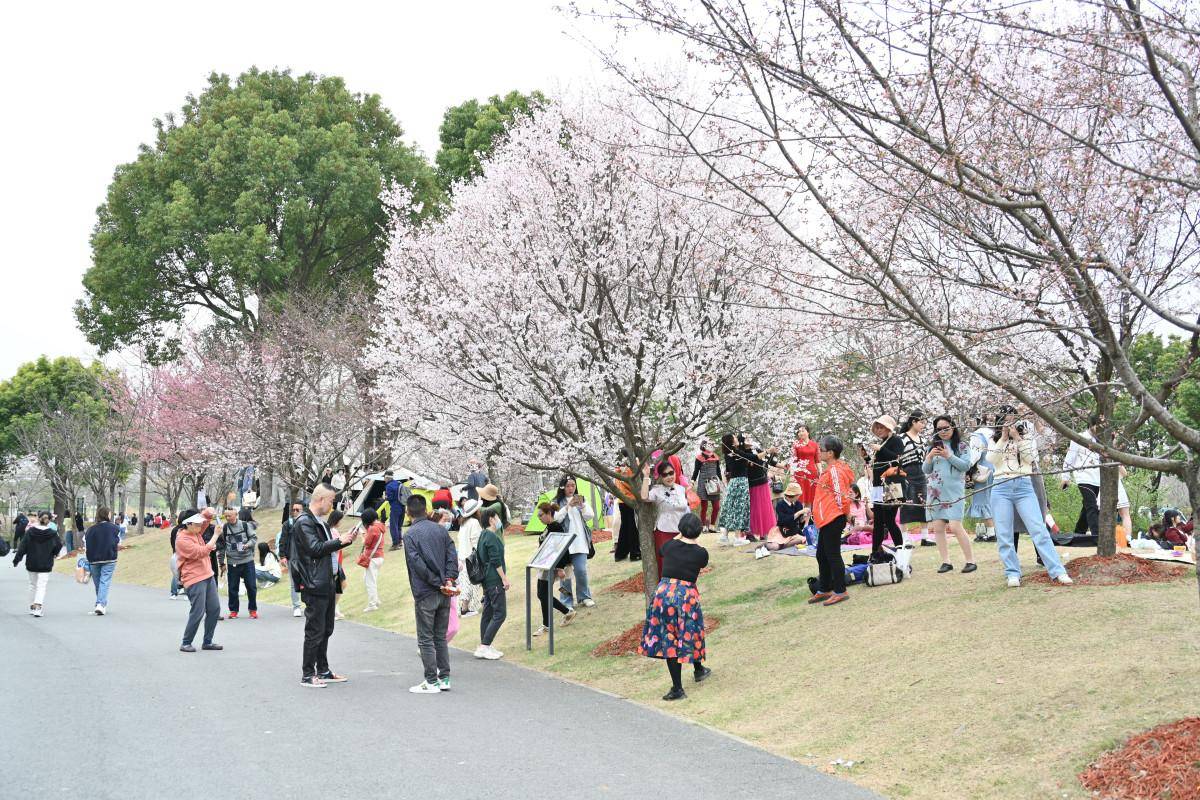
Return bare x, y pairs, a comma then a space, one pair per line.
476, 569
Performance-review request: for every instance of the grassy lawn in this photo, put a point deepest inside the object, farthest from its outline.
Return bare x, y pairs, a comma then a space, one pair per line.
944, 686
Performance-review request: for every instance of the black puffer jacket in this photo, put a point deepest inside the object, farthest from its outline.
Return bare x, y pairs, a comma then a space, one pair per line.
310, 559
38, 547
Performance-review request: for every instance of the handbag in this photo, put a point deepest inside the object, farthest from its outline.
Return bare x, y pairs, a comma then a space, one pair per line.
883, 574
712, 487
364, 560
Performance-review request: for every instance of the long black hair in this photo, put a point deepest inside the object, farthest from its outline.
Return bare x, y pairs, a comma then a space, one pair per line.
955, 440
914, 416
562, 489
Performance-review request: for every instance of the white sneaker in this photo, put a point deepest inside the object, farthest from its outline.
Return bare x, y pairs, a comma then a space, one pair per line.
425, 688
492, 654
172, 597
740, 540
537, 632
589, 603
297, 612
1014, 582
37, 612
568, 618
1064, 579
761, 552
481, 651
369, 609
101, 611
723, 540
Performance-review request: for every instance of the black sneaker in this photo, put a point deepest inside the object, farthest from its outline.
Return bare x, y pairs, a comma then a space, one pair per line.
211, 647
331, 677
927, 543
702, 673
186, 648
946, 568
969, 567
312, 682
674, 694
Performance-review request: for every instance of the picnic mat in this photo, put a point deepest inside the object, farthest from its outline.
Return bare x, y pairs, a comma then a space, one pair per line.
809, 551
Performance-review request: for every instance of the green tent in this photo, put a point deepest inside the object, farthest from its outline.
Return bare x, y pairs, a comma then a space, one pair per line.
590, 491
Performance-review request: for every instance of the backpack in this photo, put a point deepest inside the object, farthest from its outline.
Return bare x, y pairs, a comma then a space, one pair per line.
476, 569
3, 547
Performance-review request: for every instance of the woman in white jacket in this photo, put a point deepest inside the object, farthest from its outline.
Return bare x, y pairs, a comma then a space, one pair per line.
470, 597
575, 514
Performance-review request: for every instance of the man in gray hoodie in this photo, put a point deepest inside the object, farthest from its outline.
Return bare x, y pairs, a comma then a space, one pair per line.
236, 555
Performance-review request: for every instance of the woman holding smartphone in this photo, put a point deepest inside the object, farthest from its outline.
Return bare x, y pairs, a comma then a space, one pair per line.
946, 466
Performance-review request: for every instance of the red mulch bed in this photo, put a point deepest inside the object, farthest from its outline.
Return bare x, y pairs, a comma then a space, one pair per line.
1160, 764
1115, 570
634, 584
601, 536
627, 643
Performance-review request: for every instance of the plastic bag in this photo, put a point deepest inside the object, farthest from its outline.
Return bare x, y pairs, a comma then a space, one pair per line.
904, 556
452, 627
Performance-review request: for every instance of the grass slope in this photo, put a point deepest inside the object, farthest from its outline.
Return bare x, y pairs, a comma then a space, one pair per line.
944, 686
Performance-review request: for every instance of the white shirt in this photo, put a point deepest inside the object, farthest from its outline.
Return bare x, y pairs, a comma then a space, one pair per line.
1084, 464
338, 481
575, 519
672, 505
469, 532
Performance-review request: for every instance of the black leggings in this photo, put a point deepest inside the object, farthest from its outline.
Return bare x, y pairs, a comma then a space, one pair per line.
676, 670
543, 590
829, 556
628, 543
885, 524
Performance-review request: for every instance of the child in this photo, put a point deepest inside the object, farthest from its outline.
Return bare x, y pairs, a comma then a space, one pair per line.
267, 572
83, 570
335, 517
38, 548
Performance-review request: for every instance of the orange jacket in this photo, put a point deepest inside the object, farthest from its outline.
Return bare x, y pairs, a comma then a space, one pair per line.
192, 556
834, 493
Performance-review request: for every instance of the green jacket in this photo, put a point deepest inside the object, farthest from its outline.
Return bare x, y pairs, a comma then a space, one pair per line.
491, 552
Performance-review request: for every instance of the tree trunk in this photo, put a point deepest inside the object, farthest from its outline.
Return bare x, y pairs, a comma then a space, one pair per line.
1191, 479
141, 520
647, 516
1107, 542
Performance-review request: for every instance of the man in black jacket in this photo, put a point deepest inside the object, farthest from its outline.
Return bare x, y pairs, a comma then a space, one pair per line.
285, 548
432, 569
312, 564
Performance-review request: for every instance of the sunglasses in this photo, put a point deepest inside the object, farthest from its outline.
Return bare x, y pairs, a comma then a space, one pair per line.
943, 429
667, 474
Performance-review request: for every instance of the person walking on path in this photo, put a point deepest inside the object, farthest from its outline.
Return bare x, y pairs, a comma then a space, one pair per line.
575, 514
432, 569
236, 557
194, 557
100, 544
284, 548
946, 464
1012, 457
1083, 466
831, 512
674, 627
371, 557
495, 583
38, 548
804, 465
316, 575
708, 480
20, 525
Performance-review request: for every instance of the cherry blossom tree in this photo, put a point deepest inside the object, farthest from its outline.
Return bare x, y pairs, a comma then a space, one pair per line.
1016, 182
584, 297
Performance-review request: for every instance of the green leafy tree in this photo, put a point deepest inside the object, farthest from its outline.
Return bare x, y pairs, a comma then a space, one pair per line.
49, 410
470, 132
262, 186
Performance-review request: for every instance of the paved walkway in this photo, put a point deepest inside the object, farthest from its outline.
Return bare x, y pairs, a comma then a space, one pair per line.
106, 707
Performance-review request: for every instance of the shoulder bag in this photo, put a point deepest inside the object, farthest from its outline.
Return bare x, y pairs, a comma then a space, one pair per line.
364, 560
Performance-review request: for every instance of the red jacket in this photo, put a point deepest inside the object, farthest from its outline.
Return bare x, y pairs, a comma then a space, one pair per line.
1177, 534
834, 493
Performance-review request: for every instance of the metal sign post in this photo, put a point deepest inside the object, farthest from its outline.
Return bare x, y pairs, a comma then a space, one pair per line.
547, 557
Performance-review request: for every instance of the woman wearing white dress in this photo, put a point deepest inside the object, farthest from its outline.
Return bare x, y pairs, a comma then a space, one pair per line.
470, 597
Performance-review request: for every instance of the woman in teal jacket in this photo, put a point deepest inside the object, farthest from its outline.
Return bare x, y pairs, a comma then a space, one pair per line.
946, 463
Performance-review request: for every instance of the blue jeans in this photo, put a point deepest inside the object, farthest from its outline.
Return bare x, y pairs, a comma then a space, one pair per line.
264, 576
395, 521
1016, 496
102, 579
579, 566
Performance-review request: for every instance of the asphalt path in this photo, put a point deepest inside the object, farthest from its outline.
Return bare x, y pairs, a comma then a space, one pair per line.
107, 707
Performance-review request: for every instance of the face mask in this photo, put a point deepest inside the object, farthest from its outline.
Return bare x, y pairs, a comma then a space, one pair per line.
446, 525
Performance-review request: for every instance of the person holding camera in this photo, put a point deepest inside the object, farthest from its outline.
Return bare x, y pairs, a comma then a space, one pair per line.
887, 483
946, 466
1012, 456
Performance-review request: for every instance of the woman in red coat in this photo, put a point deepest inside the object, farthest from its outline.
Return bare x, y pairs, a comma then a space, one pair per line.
804, 465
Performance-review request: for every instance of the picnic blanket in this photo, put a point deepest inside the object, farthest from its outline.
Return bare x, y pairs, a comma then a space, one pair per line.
809, 551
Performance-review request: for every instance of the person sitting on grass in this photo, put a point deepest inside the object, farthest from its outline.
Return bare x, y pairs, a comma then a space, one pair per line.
1175, 530
790, 518
674, 628
268, 571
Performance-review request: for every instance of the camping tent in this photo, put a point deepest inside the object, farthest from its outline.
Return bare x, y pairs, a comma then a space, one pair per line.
370, 491
590, 491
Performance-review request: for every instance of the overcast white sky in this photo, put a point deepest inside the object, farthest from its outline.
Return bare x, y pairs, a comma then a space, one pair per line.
84, 82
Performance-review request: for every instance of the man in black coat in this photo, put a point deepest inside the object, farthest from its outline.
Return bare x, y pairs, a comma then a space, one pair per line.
312, 565
285, 549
